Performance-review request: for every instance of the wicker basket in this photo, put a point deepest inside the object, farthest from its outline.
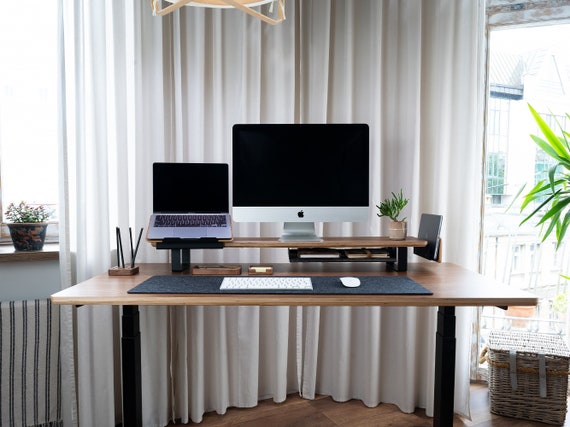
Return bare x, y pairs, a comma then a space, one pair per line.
529, 391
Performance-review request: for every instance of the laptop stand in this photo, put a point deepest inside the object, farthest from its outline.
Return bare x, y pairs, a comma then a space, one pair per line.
180, 250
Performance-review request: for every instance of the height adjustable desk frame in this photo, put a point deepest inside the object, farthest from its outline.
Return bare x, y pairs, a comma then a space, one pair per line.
451, 286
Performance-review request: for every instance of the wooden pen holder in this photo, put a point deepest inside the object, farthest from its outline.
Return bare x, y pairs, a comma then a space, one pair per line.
124, 271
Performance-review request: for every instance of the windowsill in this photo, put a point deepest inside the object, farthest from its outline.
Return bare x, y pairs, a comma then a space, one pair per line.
9, 254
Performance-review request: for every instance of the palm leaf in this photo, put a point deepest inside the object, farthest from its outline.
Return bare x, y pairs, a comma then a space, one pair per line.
551, 226
546, 147
562, 228
555, 209
538, 209
549, 134
551, 195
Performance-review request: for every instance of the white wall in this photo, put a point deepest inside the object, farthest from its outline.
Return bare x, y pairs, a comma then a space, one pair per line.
28, 280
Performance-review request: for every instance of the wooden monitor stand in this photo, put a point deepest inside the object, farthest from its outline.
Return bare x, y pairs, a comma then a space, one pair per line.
398, 249
397, 261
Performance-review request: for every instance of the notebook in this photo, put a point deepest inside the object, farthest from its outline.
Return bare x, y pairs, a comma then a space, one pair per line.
190, 201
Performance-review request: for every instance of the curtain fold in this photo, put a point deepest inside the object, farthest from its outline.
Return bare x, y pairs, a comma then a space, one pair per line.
138, 89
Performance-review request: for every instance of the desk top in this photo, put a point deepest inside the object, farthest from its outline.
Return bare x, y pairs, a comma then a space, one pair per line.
451, 286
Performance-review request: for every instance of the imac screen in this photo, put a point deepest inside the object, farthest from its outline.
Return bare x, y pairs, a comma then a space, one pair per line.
300, 172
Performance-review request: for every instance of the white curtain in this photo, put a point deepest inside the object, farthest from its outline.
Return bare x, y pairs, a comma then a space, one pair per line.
138, 89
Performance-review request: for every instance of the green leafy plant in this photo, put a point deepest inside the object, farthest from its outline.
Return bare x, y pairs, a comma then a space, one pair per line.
392, 207
552, 194
560, 302
25, 213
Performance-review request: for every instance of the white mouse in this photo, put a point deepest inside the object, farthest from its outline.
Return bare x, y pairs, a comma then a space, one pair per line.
350, 282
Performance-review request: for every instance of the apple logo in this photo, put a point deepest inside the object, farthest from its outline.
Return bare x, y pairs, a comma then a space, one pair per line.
300, 214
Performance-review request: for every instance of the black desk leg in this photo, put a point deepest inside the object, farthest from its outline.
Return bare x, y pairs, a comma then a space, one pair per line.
444, 368
131, 367
401, 263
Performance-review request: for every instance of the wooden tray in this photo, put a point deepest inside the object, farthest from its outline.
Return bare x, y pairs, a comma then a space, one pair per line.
216, 270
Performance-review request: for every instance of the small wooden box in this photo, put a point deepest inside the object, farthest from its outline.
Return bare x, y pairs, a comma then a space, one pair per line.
216, 270
260, 270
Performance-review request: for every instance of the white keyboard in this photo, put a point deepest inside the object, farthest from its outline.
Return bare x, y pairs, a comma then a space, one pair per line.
264, 283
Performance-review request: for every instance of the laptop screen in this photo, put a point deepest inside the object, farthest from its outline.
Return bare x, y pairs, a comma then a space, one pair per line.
190, 187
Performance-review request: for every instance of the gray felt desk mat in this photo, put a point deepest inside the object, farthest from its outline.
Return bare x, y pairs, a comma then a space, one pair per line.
323, 285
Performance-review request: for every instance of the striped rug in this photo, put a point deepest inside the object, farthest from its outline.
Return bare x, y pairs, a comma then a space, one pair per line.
30, 376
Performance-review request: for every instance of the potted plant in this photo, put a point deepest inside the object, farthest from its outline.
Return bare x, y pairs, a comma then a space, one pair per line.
550, 198
553, 194
392, 208
27, 225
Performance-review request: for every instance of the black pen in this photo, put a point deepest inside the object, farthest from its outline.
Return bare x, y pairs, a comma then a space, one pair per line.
136, 249
120, 248
117, 239
132, 251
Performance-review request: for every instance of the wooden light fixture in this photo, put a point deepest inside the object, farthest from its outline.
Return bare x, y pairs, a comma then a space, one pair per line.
243, 5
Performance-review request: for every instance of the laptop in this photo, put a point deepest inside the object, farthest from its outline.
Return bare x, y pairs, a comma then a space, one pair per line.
190, 201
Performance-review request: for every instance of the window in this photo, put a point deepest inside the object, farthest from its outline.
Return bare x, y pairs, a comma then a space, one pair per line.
543, 162
497, 146
495, 175
528, 65
517, 261
28, 105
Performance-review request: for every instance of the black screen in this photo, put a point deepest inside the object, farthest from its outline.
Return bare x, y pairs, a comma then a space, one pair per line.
190, 187
300, 165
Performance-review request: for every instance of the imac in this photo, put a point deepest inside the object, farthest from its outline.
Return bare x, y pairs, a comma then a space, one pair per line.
300, 174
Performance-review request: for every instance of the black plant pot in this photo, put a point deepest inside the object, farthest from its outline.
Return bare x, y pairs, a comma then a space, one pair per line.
28, 236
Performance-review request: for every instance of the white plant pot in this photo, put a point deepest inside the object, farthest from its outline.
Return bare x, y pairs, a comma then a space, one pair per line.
398, 230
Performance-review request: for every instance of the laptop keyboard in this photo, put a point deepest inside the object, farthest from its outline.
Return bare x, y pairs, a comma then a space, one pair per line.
264, 283
194, 220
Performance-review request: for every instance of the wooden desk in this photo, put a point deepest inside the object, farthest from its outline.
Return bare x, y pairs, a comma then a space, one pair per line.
451, 285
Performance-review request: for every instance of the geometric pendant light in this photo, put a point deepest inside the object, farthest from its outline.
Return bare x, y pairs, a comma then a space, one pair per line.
243, 5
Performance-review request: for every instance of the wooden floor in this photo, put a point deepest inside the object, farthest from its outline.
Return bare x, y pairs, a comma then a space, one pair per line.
324, 412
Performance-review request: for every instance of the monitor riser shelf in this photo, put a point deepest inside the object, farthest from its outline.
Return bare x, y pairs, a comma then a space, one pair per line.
180, 249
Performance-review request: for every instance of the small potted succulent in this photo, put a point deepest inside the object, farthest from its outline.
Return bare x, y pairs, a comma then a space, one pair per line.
27, 225
392, 208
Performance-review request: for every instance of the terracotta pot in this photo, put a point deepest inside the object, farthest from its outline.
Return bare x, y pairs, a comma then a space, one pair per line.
398, 230
28, 236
